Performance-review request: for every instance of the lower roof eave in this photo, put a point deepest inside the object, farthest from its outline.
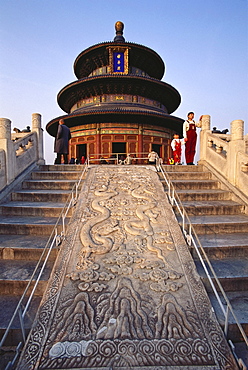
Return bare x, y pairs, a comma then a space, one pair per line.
120, 116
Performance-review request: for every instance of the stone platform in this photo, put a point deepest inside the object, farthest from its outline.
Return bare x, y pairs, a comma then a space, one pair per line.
124, 292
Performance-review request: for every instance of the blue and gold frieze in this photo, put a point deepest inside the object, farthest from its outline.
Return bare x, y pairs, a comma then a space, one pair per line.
154, 133
83, 133
103, 131
133, 132
113, 98
80, 133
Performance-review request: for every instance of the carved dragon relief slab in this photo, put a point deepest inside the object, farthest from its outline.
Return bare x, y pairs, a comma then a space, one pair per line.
125, 293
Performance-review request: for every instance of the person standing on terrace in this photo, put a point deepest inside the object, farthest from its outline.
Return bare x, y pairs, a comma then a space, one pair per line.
176, 145
190, 136
153, 157
61, 144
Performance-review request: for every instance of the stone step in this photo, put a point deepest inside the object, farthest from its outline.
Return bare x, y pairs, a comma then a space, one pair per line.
190, 168
239, 303
23, 241
61, 167
49, 184
15, 274
201, 195
195, 184
241, 351
189, 175
49, 175
8, 304
44, 209
223, 207
221, 246
30, 254
231, 272
27, 225
25, 247
15, 286
211, 224
41, 195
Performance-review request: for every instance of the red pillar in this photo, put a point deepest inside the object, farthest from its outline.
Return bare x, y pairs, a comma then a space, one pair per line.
98, 141
140, 142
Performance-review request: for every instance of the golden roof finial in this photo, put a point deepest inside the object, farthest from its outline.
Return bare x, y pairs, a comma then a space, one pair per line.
119, 26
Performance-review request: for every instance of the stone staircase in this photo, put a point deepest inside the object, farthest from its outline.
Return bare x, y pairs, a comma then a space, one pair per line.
26, 222
111, 293
222, 227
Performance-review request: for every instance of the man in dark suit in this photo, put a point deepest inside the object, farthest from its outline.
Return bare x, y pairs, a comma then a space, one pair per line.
61, 144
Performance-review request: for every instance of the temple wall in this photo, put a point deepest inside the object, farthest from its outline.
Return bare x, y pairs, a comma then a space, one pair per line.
139, 140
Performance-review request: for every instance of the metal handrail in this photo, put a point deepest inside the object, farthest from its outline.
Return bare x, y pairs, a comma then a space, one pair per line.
54, 239
114, 157
192, 238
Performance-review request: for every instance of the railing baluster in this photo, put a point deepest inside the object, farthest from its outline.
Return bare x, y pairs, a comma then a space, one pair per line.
22, 324
226, 320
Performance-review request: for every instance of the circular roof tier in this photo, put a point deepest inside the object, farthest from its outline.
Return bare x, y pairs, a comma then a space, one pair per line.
140, 56
119, 84
79, 118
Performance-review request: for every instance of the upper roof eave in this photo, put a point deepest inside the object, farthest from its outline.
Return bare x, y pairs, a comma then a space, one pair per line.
96, 56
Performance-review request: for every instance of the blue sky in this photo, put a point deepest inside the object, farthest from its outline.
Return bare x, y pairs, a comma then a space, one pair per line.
203, 43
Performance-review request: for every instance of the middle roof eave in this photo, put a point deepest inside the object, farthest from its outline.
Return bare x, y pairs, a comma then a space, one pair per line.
119, 84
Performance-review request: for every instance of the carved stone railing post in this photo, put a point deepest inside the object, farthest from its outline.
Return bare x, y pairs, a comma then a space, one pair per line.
205, 129
5, 128
206, 122
236, 145
6, 144
36, 126
237, 129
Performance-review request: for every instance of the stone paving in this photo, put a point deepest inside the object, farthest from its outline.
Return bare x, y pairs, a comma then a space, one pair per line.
124, 292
